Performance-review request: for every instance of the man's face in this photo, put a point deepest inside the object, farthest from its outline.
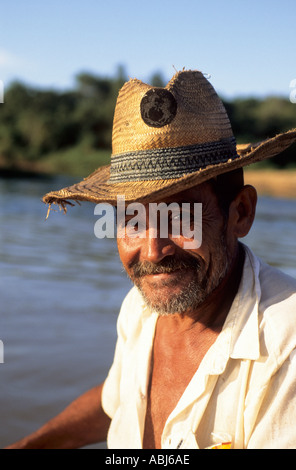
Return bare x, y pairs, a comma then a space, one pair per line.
173, 279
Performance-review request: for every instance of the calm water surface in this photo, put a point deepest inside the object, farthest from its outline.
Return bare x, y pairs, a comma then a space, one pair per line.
60, 291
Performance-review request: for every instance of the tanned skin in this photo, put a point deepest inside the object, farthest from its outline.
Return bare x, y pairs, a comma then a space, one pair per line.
181, 339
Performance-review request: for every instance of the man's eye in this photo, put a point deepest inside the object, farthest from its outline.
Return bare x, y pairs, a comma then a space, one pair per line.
184, 215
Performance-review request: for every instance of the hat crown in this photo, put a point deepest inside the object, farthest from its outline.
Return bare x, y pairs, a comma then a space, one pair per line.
199, 118
158, 154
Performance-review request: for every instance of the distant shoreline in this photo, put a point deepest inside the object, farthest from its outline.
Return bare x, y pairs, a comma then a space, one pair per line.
277, 183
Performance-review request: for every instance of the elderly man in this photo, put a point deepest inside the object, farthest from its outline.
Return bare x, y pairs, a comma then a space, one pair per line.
205, 354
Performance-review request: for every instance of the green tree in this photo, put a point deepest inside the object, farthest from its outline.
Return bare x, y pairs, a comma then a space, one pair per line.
36, 123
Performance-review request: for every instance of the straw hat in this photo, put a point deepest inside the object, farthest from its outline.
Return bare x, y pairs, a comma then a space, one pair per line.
166, 140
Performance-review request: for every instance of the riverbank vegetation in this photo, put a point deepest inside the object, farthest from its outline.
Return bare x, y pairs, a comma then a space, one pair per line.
69, 131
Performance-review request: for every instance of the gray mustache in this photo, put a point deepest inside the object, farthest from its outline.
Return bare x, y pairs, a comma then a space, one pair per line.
167, 265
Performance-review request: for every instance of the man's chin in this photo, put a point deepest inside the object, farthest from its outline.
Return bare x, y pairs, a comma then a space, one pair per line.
169, 297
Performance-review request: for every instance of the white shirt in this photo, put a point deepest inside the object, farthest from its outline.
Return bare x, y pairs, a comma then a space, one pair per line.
243, 391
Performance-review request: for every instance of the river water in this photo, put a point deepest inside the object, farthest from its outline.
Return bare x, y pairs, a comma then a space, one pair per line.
60, 292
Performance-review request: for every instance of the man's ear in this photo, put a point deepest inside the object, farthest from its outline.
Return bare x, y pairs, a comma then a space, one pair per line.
242, 211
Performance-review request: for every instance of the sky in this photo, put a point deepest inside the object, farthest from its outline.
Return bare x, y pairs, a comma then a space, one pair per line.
247, 47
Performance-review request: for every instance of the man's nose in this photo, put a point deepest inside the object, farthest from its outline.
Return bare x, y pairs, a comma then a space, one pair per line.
155, 247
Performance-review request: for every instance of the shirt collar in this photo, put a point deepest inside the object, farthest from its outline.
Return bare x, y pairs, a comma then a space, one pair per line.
243, 315
241, 328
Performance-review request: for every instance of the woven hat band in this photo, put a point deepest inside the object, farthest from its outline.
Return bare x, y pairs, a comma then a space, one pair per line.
167, 163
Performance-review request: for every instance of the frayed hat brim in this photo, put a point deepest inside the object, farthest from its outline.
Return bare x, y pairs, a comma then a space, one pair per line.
97, 188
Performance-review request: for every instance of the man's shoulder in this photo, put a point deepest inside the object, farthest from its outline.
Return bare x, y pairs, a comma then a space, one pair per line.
271, 284
276, 286
277, 310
